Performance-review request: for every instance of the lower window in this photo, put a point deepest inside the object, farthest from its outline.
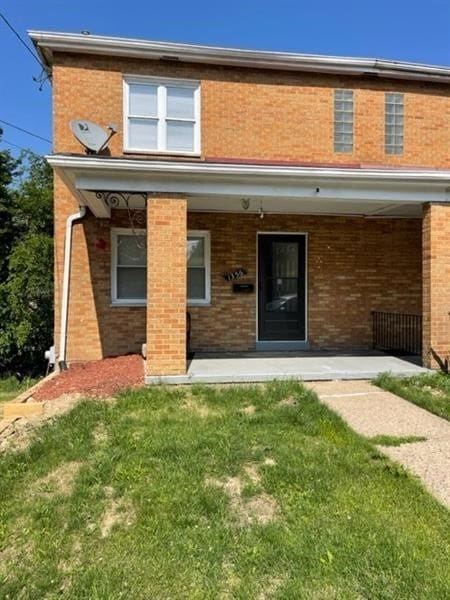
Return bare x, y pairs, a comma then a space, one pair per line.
129, 267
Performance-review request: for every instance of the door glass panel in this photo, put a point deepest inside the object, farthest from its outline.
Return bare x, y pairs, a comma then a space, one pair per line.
282, 294
285, 259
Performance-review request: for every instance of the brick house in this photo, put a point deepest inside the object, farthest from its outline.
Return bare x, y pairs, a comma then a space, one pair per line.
277, 198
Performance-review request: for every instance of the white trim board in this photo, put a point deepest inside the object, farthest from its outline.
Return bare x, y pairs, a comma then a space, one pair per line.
48, 42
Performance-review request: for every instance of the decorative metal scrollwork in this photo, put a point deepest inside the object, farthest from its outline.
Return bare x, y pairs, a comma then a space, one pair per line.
136, 216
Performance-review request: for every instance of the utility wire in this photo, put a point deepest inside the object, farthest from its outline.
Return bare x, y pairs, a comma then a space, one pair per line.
26, 131
8, 143
21, 40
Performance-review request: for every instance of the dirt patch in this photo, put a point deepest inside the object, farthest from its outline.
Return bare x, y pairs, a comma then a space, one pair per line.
231, 582
271, 587
289, 401
118, 511
18, 432
100, 434
270, 462
98, 378
249, 410
60, 481
260, 509
251, 470
194, 405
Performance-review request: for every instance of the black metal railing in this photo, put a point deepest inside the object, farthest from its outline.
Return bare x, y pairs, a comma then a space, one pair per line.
397, 332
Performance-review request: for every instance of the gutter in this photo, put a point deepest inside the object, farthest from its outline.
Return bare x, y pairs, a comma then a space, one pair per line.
139, 166
47, 42
66, 286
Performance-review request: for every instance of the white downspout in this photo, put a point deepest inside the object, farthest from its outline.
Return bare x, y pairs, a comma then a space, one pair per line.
66, 284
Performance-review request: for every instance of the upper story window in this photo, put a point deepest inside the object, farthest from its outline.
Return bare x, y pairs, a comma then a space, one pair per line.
393, 123
343, 121
161, 115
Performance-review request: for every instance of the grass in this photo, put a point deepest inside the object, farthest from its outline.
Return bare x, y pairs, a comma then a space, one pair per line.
177, 493
10, 387
393, 440
430, 391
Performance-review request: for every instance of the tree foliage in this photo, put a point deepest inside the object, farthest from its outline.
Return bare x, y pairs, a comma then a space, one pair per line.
26, 263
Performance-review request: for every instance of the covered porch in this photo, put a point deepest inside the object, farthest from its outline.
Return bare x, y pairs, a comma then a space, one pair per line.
364, 238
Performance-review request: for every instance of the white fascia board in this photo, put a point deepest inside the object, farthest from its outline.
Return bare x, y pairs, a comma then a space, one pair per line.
48, 42
138, 167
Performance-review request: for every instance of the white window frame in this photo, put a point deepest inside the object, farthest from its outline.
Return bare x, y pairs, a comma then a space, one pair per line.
162, 84
115, 232
207, 245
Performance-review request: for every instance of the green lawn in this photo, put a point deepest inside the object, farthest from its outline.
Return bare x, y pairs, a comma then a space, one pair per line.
208, 492
10, 387
430, 391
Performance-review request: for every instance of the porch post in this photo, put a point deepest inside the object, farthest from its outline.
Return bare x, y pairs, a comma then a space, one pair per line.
166, 284
436, 284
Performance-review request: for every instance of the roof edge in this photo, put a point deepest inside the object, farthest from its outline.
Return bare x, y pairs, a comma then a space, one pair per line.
425, 176
47, 42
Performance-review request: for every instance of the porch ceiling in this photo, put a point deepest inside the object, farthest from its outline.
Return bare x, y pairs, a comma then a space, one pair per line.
251, 188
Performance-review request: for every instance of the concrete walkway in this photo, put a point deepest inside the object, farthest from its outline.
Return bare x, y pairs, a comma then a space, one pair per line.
308, 366
371, 411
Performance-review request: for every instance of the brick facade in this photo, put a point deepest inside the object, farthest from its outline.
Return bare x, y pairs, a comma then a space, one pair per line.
261, 115
355, 265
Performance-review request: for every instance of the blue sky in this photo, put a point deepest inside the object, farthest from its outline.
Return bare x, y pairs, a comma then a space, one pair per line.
413, 30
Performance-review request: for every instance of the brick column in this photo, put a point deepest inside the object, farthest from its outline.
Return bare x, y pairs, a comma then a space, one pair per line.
436, 284
166, 284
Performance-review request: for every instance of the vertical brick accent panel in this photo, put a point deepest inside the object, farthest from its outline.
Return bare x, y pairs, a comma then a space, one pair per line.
436, 284
166, 285
354, 266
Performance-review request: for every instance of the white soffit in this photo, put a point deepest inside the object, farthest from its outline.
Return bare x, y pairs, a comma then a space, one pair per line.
327, 190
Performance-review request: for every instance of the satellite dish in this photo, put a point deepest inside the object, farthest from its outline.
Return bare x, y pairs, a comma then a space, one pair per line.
93, 137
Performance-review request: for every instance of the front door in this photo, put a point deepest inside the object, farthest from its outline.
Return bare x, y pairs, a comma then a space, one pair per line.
281, 287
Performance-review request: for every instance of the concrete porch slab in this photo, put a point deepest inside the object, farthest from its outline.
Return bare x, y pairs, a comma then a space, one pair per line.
307, 366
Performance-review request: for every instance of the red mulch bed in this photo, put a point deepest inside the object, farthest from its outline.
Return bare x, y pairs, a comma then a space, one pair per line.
98, 378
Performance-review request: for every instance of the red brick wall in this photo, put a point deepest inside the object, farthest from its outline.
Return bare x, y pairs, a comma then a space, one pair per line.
354, 266
436, 284
261, 115
166, 285
95, 328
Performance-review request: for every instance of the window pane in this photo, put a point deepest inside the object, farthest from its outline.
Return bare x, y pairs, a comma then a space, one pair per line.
180, 136
143, 134
196, 251
196, 284
131, 283
131, 250
180, 102
143, 100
